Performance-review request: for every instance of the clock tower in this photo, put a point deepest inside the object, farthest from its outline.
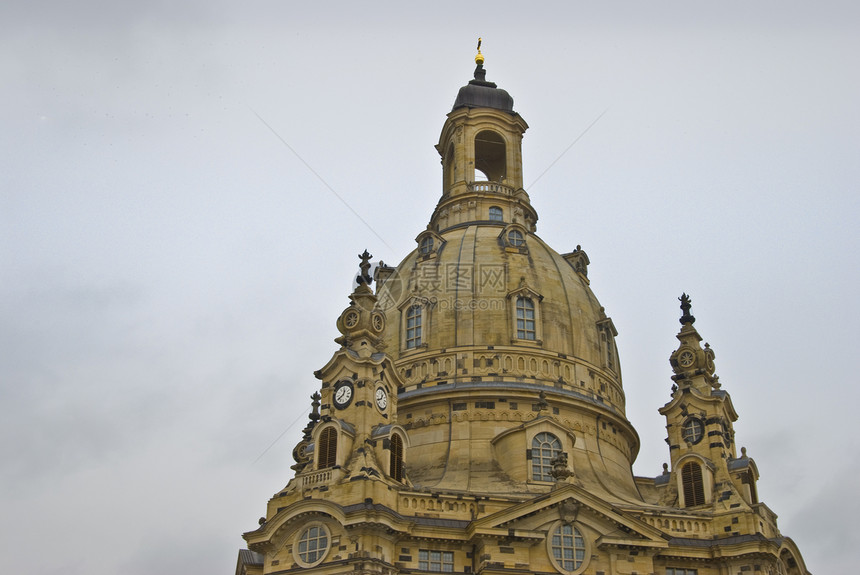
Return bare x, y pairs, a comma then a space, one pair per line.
358, 400
705, 469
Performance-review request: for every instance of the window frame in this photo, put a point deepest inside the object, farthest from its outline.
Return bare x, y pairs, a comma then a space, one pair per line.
540, 461
524, 291
395, 460
689, 424
327, 448
426, 562
426, 245
496, 214
321, 553
414, 329
693, 484
580, 547
529, 324
516, 239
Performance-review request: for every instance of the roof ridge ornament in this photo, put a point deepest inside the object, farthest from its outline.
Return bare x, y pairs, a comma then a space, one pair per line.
364, 277
480, 93
481, 74
686, 304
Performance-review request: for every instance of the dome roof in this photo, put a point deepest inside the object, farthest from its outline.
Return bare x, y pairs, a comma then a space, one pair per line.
479, 93
470, 278
482, 325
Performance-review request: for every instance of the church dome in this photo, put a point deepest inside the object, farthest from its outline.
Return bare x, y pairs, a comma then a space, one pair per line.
472, 420
497, 288
485, 321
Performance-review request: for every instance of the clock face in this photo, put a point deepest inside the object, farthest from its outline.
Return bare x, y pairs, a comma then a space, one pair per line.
686, 358
342, 394
381, 399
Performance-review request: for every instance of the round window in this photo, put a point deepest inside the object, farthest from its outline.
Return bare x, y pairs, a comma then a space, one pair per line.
516, 239
312, 545
567, 548
693, 431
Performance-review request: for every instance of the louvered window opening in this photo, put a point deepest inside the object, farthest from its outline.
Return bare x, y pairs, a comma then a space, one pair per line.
328, 448
396, 461
694, 489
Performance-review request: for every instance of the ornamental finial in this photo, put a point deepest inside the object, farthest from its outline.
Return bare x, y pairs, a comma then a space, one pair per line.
479, 58
686, 304
364, 277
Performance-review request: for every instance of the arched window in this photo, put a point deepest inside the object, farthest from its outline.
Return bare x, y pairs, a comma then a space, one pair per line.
395, 465
496, 214
788, 563
694, 488
545, 448
750, 481
525, 318
610, 353
449, 169
413, 327
327, 448
490, 156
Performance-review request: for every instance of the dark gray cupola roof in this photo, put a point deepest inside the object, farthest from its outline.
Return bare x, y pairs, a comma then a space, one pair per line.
479, 93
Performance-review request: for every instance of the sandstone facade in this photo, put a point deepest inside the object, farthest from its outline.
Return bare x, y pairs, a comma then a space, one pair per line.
473, 419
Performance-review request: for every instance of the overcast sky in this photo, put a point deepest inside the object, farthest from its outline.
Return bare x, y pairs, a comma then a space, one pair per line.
171, 271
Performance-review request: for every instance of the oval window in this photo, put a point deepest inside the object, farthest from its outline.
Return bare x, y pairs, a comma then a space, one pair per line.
568, 549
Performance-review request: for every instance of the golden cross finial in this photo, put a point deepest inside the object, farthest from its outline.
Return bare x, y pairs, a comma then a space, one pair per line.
479, 59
